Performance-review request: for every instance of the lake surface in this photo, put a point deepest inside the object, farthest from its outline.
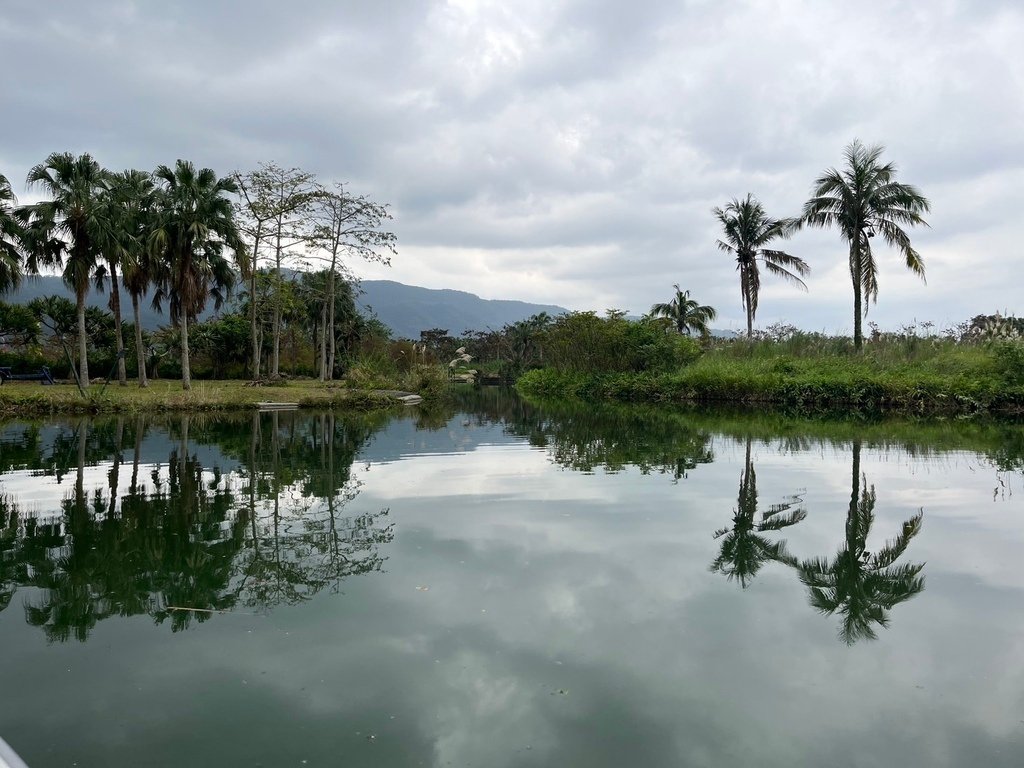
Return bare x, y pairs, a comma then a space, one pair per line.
502, 584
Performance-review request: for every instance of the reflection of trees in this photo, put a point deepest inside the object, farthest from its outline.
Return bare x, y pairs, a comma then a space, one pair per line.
294, 552
169, 546
588, 436
745, 548
12, 569
863, 587
189, 534
55, 451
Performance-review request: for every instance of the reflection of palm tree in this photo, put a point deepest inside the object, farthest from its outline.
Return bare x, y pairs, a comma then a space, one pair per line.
862, 587
744, 548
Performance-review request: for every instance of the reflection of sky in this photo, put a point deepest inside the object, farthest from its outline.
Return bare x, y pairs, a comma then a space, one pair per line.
531, 615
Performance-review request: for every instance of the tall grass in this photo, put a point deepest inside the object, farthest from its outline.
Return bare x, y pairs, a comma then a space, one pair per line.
894, 372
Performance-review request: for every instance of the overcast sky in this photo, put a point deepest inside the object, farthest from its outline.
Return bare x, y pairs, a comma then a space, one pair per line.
564, 151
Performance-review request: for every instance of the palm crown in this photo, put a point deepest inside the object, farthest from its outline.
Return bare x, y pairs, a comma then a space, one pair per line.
747, 231
194, 225
10, 238
685, 313
861, 201
69, 229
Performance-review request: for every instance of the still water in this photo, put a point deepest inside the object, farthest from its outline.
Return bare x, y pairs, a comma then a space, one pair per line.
504, 584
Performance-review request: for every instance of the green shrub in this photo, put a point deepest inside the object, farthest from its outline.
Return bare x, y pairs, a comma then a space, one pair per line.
582, 342
1009, 356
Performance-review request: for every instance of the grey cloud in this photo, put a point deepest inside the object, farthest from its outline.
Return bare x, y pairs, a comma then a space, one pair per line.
597, 133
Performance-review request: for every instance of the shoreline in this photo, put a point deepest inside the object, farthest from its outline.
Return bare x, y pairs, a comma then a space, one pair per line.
33, 399
782, 393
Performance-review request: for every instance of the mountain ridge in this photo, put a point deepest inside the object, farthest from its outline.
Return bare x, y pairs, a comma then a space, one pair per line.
405, 309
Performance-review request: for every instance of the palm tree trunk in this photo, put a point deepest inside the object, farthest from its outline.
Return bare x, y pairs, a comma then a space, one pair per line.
855, 270
747, 305
140, 352
186, 373
115, 307
83, 342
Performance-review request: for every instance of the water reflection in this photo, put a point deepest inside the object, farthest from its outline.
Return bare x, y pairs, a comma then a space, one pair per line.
190, 536
861, 586
744, 546
608, 437
252, 512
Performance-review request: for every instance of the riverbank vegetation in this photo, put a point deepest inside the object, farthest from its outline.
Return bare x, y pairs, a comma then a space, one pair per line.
977, 367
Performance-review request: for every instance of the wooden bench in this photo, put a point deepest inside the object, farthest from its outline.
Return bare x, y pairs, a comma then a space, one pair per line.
43, 375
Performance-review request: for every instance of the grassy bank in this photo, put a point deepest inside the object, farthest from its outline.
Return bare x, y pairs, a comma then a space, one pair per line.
361, 393
919, 376
17, 399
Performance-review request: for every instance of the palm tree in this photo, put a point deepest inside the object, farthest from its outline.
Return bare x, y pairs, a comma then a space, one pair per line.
136, 195
69, 229
748, 230
744, 549
862, 587
685, 313
863, 200
194, 224
11, 239
121, 199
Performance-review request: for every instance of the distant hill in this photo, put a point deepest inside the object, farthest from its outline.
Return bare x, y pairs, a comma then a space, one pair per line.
50, 285
408, 309
405, 309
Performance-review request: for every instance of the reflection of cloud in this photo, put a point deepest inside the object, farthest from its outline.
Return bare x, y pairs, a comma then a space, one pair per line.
574, 615
487, 474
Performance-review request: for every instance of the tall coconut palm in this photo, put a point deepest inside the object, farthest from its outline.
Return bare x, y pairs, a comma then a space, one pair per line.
68, 229
861, 201
194, 224
11, 238
748, 230
685, 313
859, 585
